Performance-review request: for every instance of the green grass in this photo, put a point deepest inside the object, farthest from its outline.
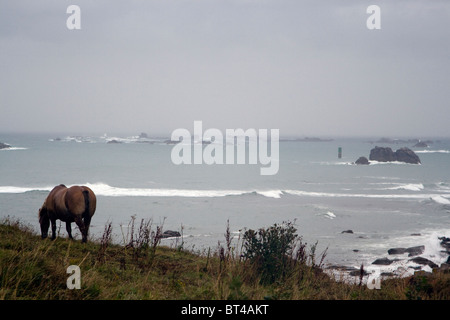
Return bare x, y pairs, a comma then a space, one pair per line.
32, 268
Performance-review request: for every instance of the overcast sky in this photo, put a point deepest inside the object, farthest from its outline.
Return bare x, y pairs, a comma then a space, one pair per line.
308, 68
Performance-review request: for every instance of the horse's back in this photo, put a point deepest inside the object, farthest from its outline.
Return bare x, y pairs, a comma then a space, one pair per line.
76, 200
55, 199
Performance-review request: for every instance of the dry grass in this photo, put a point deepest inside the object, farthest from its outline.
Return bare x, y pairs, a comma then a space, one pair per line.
31, 268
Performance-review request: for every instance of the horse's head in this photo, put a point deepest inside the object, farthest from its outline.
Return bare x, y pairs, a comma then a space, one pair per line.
44, 221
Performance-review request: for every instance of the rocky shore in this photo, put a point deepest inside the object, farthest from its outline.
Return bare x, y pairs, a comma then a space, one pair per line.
399, 262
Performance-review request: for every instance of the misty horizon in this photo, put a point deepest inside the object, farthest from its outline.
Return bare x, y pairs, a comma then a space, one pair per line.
308, 69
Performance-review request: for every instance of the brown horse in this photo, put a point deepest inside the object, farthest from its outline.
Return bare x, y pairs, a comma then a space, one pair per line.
75, 204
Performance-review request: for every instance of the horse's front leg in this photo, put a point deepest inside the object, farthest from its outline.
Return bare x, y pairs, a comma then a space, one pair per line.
53, 221
69, 229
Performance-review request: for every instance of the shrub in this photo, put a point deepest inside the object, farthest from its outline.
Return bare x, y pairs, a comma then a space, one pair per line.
271, 251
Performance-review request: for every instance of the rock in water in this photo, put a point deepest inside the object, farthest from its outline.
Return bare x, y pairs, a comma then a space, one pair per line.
383, 261
407, 155
4, 145
362, 160
412, 251
424, 261
420, 144
385, 154
113, 142
397, 251
415, 251
170, 233
382, 154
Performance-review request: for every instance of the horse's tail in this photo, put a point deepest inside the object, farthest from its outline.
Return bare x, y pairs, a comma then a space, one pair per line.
86, 204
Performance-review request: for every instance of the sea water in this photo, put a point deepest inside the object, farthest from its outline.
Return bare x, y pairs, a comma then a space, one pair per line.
385, 205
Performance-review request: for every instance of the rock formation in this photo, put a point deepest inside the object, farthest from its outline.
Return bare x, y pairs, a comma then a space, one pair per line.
407, 155
362, 160
4, 145
382, 154
385, 154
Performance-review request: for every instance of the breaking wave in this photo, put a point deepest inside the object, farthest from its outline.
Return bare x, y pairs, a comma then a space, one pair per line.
432, 151
13, 148
102, 189
408, 186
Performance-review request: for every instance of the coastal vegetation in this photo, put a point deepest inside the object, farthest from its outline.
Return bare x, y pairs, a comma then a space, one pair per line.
268, 264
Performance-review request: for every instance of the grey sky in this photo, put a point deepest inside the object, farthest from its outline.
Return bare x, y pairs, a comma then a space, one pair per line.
308, 68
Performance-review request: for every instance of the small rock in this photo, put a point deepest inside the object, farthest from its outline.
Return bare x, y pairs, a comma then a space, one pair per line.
347, 231
424, 261
420, 144
170, 233
415, 251
113, 142
4, 145
343, 268
362, 160
357, 273
171, 141
397, 251
445, 242
383, 261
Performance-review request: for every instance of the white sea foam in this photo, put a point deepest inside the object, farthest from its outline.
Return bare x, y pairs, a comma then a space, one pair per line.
361, 195
13, 149
443, 187
107, 190
271, 193
408, 186
373, 162
398, 186
333, 163
103, 189
330, 215
12, 189
440, 199
432, 151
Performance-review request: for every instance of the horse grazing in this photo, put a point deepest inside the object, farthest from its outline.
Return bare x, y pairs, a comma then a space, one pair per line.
75, 204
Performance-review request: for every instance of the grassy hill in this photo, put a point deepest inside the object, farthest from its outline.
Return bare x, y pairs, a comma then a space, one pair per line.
32, 268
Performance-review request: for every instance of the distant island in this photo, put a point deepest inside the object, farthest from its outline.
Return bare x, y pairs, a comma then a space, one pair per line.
416, 142
306, 139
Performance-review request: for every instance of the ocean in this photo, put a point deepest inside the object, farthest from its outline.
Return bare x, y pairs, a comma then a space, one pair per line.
385, 205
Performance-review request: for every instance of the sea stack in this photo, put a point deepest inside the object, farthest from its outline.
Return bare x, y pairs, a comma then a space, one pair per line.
385, 154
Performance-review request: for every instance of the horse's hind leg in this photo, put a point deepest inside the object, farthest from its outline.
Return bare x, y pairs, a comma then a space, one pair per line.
82, 227
69, 229
87, 223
